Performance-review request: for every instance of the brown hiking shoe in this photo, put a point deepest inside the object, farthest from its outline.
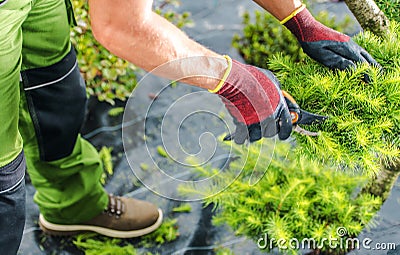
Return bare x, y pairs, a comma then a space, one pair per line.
124, 218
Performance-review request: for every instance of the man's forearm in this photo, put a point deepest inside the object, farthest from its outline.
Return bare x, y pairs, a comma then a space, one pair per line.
279, 8
132, 31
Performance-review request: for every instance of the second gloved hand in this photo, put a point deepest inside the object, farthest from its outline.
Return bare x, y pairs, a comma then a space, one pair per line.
325, 45
253, 97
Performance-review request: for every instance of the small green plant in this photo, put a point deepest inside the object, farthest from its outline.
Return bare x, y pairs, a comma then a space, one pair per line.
106, 159
166, 8
264, 37
223, 251
161, 151
108, 77
183, 208
93, 244
167, 232
144, 166
116, 111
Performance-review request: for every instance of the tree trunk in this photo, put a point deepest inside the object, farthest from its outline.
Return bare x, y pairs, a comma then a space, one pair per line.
369, 16
381, 184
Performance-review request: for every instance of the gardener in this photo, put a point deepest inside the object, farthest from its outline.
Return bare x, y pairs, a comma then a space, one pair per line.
44, 114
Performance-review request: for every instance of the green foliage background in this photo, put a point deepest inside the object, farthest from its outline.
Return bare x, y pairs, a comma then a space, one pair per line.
390, 8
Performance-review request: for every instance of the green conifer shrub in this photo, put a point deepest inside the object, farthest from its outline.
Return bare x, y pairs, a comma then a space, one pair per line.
295, 198
364, 118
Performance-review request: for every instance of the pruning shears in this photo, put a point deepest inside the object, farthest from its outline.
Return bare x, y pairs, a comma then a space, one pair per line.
299, 116
302, 117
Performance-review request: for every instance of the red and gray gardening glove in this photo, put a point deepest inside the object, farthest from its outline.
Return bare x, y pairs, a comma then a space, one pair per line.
325, 45
253, 98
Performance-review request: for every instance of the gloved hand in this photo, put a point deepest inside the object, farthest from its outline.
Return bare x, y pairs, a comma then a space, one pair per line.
253, 97
325, 45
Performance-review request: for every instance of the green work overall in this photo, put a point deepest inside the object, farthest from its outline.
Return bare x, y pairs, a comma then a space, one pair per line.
42, 106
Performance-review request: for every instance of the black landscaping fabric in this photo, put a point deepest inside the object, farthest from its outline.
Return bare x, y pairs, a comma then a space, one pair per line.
215, 22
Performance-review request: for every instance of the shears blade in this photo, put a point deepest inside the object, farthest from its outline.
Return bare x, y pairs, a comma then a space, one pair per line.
302, 117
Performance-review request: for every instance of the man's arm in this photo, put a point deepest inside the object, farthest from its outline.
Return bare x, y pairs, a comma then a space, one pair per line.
132, 31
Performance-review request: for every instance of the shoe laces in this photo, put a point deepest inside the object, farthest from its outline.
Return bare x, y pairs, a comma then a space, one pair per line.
115, 206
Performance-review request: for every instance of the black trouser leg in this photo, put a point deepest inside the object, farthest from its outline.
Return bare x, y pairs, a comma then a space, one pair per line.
12, 205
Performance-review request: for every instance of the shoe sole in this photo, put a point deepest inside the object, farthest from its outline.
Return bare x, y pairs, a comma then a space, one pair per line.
67, 230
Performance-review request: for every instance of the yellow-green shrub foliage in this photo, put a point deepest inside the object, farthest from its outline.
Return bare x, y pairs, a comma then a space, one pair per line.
364, 118
295, 198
